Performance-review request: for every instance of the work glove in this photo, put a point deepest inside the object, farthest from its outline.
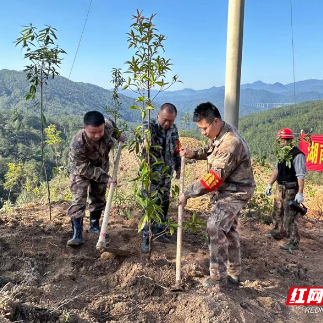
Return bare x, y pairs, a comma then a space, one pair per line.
299, 198
268, 190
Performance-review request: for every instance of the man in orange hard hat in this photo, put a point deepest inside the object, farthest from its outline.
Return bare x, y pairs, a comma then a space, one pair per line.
289, 173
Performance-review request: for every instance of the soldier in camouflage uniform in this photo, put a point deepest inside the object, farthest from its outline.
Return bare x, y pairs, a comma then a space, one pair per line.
89, 167
290, 186
231, 176
165, 135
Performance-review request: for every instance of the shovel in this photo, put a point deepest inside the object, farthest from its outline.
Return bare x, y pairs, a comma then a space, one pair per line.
101, 244
179, 230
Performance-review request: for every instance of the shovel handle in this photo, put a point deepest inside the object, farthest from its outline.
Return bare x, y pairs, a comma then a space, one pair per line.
180, 228
101, 242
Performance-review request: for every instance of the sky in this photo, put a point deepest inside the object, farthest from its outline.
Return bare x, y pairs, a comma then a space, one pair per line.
196, 33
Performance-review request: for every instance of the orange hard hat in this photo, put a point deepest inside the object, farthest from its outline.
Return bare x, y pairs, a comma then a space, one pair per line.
285, 133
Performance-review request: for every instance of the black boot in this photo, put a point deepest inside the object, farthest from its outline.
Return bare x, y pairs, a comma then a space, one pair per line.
94, 222
77, 239
162, 228
145, 240
165, 207
162, 235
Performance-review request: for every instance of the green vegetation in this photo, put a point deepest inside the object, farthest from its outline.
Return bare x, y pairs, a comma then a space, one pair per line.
20, 144
260, 129
63, 97
147, 70
44, 58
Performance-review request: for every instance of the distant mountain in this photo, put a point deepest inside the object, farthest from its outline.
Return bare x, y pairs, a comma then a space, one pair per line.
306, 86
184, 92
254, 97
259, 129
275, 88
301, 86
64, 97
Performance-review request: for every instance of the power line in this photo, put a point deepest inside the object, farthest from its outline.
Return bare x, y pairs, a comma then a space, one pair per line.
291, 24
80, 38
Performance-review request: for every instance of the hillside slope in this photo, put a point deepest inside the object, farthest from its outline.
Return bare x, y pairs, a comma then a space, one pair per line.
260, 129
42, 280
64, 97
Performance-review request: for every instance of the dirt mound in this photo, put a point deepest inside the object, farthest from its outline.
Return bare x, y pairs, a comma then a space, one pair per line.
43, 280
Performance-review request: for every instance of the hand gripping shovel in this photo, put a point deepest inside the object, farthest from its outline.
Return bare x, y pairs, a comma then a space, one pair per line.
101, 244
180, 230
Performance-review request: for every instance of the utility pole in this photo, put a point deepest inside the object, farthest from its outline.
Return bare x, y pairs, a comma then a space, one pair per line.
233, 61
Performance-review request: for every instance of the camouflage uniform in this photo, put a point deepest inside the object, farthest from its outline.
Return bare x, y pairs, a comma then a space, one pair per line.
169, 154
89, 167
232, 176
285, 217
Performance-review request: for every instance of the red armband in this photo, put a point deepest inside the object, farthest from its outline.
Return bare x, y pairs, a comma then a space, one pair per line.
177, 147
211, 181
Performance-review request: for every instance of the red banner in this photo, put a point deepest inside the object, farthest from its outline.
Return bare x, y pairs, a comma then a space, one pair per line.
313, 152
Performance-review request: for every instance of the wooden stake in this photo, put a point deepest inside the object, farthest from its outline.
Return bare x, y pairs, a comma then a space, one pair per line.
180, 228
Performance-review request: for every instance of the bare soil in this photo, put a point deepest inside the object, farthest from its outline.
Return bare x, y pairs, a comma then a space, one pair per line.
43, 280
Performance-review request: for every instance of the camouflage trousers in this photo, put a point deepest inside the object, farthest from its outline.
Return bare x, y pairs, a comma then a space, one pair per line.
222, 229
82, 189
284, 217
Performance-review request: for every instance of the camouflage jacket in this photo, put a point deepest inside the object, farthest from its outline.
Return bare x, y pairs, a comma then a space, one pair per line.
230, 167
169, 141
90, 159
